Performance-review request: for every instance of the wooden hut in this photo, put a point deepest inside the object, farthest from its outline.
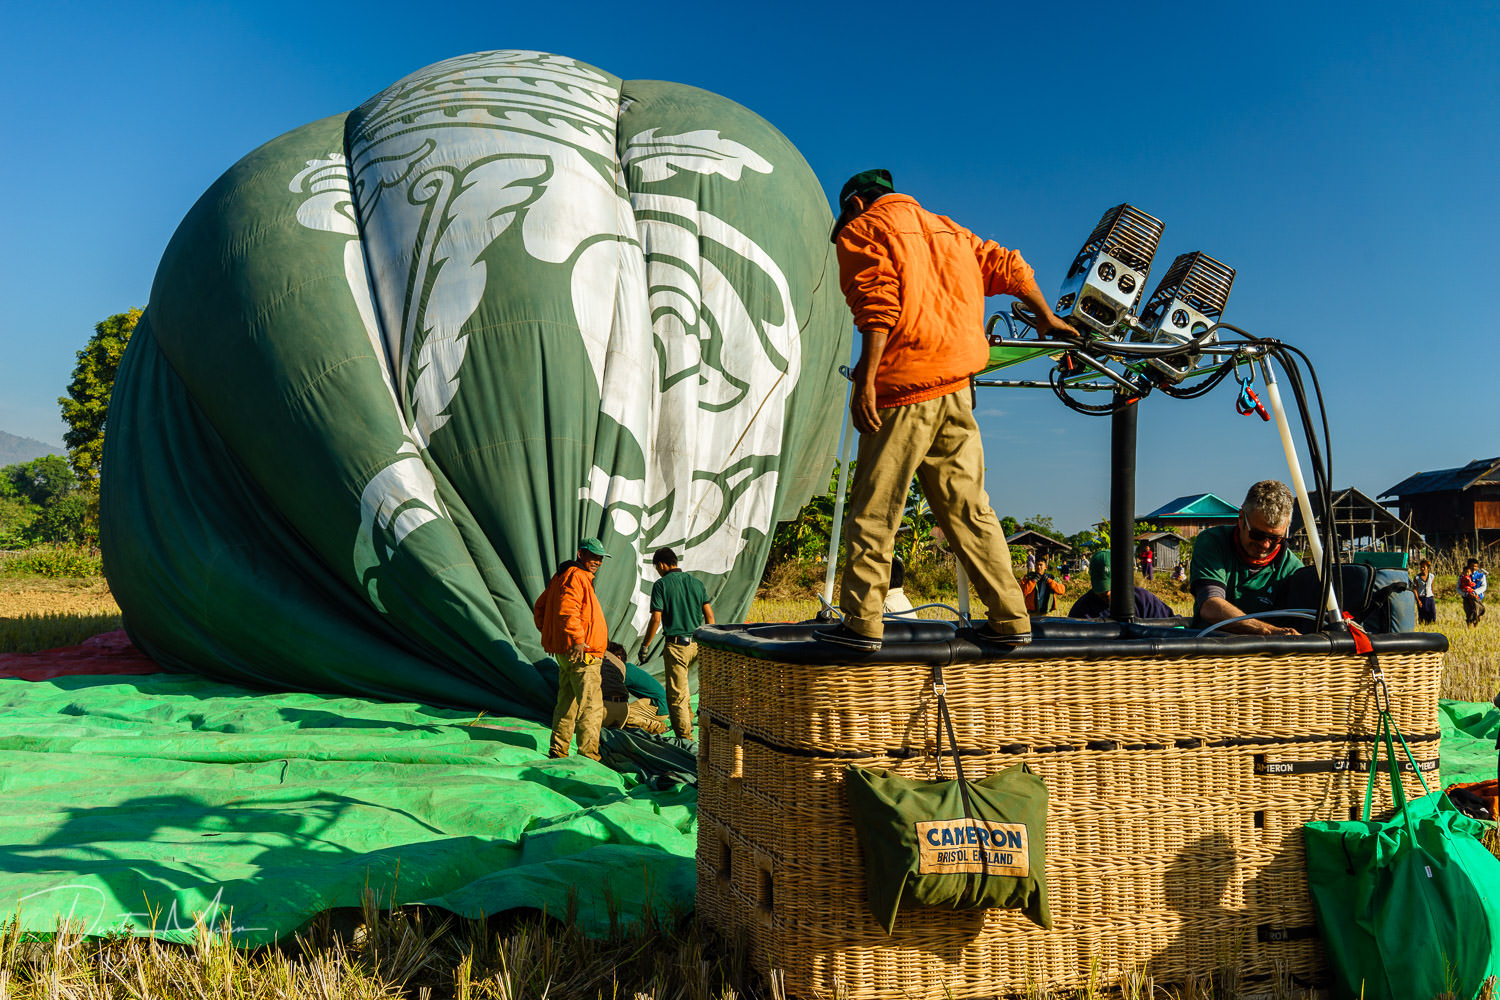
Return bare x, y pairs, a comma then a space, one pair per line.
1361, 525
1186, 516
1453, 508
1166, 549
1059, 554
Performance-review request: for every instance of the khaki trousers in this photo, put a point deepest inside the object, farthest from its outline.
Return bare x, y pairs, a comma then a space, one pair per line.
638, 714
580, 703
677, 660
936, 440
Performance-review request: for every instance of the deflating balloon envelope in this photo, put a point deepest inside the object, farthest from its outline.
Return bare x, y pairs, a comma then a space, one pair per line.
397, 362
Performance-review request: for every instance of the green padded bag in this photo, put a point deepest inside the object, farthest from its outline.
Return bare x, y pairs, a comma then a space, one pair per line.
1408, 907
958, 844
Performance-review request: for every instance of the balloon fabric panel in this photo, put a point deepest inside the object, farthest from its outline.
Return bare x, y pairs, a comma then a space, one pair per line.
397, 362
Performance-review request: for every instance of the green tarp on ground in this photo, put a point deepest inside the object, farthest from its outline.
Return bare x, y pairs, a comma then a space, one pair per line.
146, 802
1469, 729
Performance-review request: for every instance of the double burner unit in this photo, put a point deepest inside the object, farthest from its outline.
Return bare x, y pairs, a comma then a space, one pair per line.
1102, 290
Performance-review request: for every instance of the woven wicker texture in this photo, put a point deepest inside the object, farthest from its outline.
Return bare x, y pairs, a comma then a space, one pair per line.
1178, 790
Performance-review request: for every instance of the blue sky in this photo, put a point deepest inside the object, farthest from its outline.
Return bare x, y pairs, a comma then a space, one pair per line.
1342, 159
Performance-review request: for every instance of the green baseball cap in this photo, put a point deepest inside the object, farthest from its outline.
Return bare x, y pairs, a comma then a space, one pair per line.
593, 547
860, 183
1099, 572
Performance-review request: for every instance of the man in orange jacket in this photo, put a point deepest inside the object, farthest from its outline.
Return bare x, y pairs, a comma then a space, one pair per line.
916, 283
1039, 588
573, 630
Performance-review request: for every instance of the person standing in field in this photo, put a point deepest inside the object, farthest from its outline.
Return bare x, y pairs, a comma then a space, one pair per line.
916, 283
679, 604
573, 630
1422, 583
1040, 588
1471, 585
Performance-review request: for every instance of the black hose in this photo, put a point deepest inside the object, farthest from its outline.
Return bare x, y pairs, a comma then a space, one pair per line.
1089, 409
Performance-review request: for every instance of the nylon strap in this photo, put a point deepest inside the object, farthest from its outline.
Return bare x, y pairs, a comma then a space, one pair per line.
945, 720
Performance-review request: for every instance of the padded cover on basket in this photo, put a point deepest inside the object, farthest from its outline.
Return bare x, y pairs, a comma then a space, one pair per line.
919, 845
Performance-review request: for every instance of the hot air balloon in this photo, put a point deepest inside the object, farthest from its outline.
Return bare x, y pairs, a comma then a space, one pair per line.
396, 362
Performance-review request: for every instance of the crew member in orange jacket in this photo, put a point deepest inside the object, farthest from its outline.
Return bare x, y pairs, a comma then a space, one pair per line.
573, 630
916, 283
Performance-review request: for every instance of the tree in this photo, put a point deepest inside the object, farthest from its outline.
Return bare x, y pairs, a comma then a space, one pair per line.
39, 481
1101, 539
1042, 525
1089, 540
40, 502
917, 524
72, 518
16, 515
806, 537
1009, 525
87, 401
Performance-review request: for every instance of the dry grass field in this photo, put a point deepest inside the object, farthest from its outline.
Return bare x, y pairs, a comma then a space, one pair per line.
429, 954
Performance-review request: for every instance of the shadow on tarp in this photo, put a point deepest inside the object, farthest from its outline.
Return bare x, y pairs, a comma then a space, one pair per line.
146, 803
1468, 731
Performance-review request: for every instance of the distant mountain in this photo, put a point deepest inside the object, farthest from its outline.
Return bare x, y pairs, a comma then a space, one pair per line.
18, 449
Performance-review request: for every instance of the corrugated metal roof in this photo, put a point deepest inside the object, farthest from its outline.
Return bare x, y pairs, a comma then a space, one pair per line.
1194, 505
1481, 470
1026, 536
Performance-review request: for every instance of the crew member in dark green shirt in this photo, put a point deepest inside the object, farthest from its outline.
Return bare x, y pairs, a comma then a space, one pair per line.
1241, 568
679, 604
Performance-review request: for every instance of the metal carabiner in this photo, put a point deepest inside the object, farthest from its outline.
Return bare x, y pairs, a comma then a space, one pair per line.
1382, 691
1248, 363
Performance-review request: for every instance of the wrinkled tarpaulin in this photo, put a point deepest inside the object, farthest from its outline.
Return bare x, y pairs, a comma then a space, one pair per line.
149, 801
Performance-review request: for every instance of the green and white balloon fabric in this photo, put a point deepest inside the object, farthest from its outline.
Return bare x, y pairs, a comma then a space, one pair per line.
397, 362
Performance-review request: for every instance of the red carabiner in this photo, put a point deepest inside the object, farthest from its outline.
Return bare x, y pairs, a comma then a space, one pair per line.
1248, 403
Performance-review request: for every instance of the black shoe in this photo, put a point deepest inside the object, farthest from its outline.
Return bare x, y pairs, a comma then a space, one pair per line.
843, 635
988, 634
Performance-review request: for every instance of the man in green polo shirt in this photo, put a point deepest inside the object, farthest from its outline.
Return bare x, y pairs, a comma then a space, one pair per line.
679, 604
1241, 568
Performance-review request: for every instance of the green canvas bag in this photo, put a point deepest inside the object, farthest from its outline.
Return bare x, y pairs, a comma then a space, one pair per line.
1409, 907
956, 844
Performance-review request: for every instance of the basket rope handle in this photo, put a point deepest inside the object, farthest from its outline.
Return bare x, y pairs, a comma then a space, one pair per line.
1386, 729
945, 719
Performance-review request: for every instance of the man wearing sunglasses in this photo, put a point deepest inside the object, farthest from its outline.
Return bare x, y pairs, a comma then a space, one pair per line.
1242, 569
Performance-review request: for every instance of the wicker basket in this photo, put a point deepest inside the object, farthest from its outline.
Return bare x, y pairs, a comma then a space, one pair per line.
1178, 788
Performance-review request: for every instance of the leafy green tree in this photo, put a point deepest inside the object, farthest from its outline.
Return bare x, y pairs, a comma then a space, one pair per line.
16, 515
87, 401
1089, 540
41, 480
916, 534
71, 518
1100, 535
805, 538
16, 512
1042, 525
1009, 525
